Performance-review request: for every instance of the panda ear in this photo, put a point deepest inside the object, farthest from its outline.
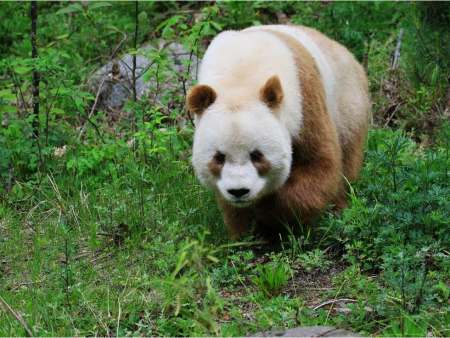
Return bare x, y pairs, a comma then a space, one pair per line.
199, 98
272, 93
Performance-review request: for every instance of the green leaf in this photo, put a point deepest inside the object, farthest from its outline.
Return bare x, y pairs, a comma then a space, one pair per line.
170, 22
435, 75
7, 108
21, 70
95, 5
58, 111
73, 8
7, 95
142, 16
61, 37
216, 25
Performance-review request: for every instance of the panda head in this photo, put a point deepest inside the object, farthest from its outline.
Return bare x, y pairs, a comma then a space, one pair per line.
242, 151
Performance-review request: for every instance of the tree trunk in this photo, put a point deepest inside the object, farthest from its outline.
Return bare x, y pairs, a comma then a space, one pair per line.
36, 77
136, 30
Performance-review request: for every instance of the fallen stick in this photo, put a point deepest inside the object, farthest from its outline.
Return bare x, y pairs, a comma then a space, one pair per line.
334, 301
7, 308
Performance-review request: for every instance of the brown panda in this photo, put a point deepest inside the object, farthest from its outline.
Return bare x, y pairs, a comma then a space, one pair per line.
281, 116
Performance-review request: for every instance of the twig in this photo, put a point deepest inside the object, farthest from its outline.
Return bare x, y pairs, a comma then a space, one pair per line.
47, 112
10, 180
111, 57
94, 106
66, 270
334, 301
391, 116
133, 70
119, 45
118, 318
145, 69
396, 56
17, 286
366, 54
36, 77
326, 333
100, 257
419, 297
18, 89
7, 308
97, 130
318, 289
188, 71
136, 30
126, 65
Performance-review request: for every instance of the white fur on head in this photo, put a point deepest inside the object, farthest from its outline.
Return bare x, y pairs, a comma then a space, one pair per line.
237, 64
236, 135
326, 72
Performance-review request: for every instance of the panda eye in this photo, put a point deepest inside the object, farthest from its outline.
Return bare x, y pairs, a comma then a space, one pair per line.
219, 158
256, 156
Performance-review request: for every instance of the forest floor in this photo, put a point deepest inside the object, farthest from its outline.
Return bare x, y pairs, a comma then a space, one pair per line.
149, 255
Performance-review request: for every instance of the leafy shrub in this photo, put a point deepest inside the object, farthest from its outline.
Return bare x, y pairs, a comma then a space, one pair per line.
400, 200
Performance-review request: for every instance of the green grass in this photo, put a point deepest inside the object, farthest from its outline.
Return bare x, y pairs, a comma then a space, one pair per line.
146, 253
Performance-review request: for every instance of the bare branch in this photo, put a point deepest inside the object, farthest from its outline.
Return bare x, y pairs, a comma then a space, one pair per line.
36, 76
396, 56
119, 45
7, 308
136, 30
94, 106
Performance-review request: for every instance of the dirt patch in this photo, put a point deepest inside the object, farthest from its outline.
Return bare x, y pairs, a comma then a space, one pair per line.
310, 285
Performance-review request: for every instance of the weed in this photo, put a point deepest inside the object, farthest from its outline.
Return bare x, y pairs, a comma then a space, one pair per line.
313, 260
272, 277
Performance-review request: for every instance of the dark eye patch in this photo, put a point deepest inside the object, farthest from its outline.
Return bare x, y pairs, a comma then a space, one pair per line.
260, 162
256, 156
219, 157
216, 164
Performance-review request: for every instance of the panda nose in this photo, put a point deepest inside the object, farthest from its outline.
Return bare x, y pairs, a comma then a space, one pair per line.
238, 193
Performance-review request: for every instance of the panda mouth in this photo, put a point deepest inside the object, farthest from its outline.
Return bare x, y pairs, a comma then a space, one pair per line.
241, 203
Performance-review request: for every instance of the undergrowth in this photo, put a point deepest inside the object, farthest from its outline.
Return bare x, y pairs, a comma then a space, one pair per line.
82, 256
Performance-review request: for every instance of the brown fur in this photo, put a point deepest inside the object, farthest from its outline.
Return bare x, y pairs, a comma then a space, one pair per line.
199, 98
263, 166
215, 168
237, 220
272, 93
353, 151
353, 144
317, 168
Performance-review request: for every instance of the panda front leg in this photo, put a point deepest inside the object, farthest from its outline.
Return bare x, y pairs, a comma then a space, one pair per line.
237, 220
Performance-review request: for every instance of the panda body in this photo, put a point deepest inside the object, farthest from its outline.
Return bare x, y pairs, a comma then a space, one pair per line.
281, 115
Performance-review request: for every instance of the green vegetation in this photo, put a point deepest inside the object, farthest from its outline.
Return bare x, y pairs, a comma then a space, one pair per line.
104, 230
272, 277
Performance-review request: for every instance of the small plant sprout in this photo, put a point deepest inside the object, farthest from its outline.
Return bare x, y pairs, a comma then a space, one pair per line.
272, 277
314, 260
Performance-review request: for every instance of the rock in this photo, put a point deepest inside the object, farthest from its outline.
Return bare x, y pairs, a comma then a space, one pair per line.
307, 331
116, 75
